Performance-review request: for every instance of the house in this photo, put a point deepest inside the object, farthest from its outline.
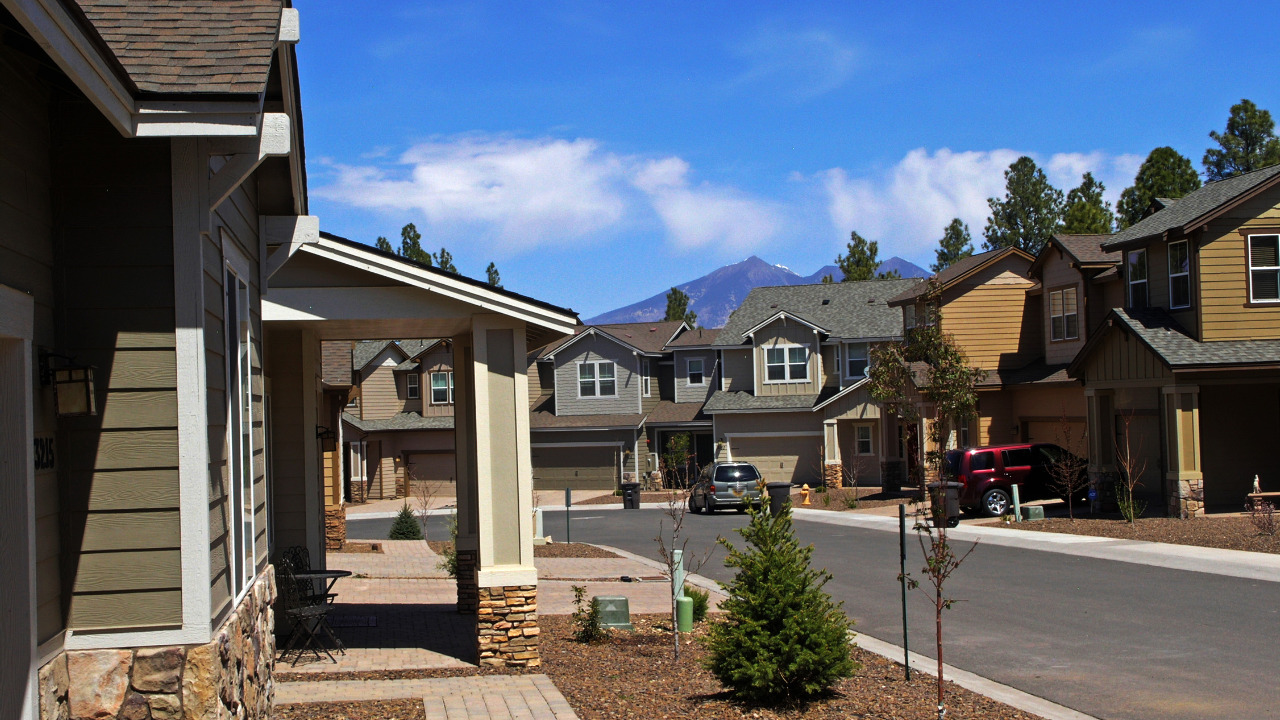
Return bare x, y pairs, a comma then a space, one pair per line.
791, 394
150, 165
588, 409
1183, 373
683, 391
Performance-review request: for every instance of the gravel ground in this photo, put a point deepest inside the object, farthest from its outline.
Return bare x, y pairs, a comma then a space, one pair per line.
1228, 533
366, 710
550, 550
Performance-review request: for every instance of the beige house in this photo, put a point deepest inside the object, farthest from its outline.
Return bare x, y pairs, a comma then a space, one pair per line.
1184, 373
791, 395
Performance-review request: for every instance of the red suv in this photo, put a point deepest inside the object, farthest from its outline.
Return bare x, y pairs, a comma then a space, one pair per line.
989, 474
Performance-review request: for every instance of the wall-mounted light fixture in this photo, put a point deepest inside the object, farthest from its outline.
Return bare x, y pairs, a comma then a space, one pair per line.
73, 390
328, 438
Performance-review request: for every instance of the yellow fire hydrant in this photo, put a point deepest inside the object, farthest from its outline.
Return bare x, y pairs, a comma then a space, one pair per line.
804, 493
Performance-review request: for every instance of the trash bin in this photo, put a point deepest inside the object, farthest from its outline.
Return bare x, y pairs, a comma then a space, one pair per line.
945, 496
630, 496
779, 496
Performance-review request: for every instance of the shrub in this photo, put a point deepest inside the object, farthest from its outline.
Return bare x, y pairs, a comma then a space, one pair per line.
449, 563
406, 526
1263, 516
586, 618
851, 501
782, 639
701, 601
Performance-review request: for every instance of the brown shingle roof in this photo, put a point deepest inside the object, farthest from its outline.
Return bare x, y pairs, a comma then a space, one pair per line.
172, 46
650, 337
695, 337
666, 412
540, 420
1087, 249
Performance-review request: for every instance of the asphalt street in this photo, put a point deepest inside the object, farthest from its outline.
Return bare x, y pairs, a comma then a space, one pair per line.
1110, 639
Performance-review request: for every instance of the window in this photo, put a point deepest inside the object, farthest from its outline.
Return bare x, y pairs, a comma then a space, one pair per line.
964, 433
982, 461
596, 379
441, 388
1064, 317
788, 363
695, 372
644, 377
411, 385
240, 450
908, 316
1179, 274
1264, 268
1018, 457
1136, 270
856, 364
862, 439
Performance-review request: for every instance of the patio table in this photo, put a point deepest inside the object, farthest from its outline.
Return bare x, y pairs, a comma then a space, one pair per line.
330, 577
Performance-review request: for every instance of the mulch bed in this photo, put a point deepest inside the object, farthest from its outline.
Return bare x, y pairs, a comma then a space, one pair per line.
839, 499
411, 709
550, 550
633, 675
1227, 533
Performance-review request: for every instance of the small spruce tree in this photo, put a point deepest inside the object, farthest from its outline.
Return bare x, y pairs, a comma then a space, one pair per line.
782, 639
406, 526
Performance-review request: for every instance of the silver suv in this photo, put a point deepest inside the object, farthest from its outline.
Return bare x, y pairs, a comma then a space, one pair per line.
735, 485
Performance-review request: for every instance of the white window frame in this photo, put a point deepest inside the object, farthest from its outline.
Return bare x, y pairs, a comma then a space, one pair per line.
1261, 268
1179, 274
448, 389
688, 372
596, 380
1074, 312
786, 364
849, 357
645, 386
1144, 282
237, 360
359, 453
858, 439
411, 389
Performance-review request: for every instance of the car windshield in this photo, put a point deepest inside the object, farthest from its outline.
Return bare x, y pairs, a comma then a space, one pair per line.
736, 473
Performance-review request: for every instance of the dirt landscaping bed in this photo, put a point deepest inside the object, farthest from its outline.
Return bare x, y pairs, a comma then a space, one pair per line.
550, 550
1227, 533
841, 499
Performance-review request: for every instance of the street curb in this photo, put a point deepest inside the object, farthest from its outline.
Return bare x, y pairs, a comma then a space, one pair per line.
1010, 696
705, 583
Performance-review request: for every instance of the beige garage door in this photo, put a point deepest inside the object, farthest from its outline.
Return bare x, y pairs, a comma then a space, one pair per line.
580, 468
433, 467
784, 459
1051, 431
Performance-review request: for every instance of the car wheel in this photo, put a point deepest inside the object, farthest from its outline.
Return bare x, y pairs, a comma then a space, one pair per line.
693, 507
711, 504
995, 502
742, 509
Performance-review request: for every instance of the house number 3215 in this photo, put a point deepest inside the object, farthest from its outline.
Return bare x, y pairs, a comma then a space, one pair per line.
44, 454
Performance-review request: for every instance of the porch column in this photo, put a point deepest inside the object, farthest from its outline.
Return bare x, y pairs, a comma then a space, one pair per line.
1102, 450
292, 362
832, 470
1184, 479
498, 504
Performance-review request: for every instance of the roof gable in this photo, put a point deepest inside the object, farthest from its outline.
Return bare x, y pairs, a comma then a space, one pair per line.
850, 310
959, 271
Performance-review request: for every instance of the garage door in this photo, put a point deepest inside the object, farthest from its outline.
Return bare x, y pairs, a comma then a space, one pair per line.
1051, 431
793, 459
580, 468
433, 467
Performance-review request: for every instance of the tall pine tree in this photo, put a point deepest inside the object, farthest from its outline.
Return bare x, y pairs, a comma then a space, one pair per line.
1249, 143
1164, 174
1029, 213
411, 245
494, 278
678, 308
861, 261
383, 244
1086, 212
956, 244
444, 261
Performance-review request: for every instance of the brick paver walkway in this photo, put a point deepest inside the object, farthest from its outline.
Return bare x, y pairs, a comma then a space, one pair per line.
499, 697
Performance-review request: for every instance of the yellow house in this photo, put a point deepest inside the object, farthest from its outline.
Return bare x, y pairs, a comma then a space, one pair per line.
1186, 374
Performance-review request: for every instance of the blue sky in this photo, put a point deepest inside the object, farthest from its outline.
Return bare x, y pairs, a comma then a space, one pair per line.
602, 152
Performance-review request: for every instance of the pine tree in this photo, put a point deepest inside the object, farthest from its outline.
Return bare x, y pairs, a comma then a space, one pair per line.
861, 261
494, 278
383, 244
1249, 143
1086, 212
411, 245
956, 244
678, 308
1029, 213
444, 261
782, 638
406, 526
1164, 174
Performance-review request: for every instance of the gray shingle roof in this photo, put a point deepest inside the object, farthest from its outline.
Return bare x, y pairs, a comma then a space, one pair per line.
180, 46
1194, 205
400, 422
851, 310
541, 420
731, 400
1179, 350
365, 351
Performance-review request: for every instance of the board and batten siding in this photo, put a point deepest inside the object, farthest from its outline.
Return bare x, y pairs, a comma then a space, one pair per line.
26, 264
986, 316
1223, 274
594, 349
782, 332
119, 470
1121, 358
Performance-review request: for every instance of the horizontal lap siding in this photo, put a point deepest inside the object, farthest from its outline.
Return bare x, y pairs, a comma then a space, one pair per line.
684, 391
120, 468
1224, 289
1058, 275
381, 395
986, 323
440, 360
592, 349
738, 374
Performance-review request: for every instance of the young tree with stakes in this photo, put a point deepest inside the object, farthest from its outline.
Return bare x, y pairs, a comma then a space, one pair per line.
671, 539
1067, 472
1133, 465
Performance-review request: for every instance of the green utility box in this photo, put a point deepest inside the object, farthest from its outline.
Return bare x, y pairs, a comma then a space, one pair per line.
1032, 512
615, 611
684, 614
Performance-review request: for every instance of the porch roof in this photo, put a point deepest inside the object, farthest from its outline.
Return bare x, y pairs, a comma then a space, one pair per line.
723, 401
673, 413
542, 420
399, 422
1170, 342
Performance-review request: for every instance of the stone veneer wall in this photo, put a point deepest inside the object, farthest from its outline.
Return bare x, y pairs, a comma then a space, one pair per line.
229, 677
1187, 499
507, 626
833, 476
468, 598
335, 528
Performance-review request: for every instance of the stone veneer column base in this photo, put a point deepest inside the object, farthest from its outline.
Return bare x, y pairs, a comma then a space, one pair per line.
229, 677
1189, 500
335, 527
468, 600
833, 476
507, 626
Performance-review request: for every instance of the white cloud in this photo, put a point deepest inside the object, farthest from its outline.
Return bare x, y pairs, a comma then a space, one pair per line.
705, 215
906, 207
803, 63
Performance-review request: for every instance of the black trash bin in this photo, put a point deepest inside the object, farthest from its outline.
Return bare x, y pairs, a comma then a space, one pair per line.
945, 495
630, 496
779, 496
